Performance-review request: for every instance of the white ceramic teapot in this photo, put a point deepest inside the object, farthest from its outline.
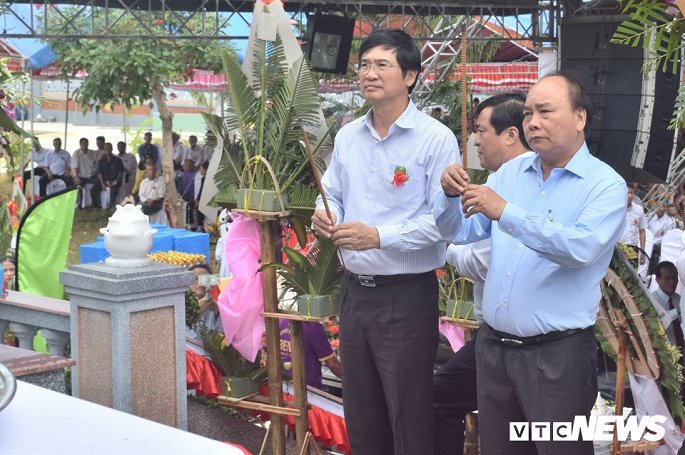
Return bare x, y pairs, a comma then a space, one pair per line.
128, 237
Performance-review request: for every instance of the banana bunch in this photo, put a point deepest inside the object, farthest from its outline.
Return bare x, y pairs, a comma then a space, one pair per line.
177, 258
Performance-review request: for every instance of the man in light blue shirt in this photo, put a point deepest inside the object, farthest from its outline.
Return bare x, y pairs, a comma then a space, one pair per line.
383, 174
554, 220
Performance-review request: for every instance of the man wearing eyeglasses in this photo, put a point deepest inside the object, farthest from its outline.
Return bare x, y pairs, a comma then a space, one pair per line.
384, 171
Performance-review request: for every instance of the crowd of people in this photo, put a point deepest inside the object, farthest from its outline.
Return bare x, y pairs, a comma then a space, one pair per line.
105, 179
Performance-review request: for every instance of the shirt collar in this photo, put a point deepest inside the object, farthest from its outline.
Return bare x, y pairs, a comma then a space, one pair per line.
580, 163
406, 120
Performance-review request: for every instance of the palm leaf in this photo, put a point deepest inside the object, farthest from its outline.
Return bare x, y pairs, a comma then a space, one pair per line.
325, 275
296, 101
243, 104
678, 109
649, 26
302, 196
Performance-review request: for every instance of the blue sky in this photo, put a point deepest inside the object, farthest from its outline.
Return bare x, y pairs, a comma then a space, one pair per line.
29, 46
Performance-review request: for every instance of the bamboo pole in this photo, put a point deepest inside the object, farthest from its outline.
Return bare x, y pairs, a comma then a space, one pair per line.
299, 383
620, 383
271, 247
464, 97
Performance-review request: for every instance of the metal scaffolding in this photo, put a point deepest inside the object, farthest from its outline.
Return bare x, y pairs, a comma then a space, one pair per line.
525, 19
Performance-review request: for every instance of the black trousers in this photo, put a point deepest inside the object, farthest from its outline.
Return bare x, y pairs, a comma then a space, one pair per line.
388, 339
37, 172
94, 193
547, 382
455, 395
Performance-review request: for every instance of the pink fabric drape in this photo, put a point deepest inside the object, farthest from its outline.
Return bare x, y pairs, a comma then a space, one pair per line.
453, 333
242, 301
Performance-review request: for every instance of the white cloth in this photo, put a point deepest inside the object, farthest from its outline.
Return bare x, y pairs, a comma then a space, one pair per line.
219, 253
41, 421
635, 221
650, 402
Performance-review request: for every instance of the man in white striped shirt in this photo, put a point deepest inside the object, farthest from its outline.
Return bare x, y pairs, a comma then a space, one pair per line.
380, 184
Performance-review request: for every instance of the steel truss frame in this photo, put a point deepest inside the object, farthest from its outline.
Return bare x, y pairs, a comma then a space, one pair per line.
427, 19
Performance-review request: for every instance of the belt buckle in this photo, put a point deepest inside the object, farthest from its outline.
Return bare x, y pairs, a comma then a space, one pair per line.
367, 281
511, 342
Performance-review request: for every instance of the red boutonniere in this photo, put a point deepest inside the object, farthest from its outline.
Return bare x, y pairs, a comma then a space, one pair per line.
400, 176
636, 221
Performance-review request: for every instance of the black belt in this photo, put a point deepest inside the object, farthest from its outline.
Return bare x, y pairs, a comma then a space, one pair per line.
517, 341
371, 281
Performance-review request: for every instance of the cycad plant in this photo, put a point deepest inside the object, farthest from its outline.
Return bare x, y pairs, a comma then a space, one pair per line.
265, 118
316, 273
314, 278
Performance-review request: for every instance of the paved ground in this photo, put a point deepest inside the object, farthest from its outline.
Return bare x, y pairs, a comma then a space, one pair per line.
216, 424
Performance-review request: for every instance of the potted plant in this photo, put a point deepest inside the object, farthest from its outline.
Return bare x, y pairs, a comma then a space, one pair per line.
314, 278
240, 375
267, 114
456, 295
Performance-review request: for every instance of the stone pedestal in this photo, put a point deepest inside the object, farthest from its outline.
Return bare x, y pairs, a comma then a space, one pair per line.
128, 338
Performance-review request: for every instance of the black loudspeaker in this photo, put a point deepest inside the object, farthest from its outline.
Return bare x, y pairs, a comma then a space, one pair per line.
631, 108
328, 42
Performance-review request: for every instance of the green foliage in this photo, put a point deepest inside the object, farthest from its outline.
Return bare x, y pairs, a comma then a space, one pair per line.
678, 120
192, 309
229, 359
317, 273
266, 115
651, 25
138, 136
123, 71
5, 230
669, 357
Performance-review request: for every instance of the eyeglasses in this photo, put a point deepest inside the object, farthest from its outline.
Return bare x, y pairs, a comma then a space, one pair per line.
381, 67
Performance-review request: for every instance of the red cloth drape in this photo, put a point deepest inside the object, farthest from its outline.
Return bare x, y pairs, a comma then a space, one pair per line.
202, 375
328, 429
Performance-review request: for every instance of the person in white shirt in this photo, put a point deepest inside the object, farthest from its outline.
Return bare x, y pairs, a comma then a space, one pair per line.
499, 138
151, 191
38, 161
659, 224
666, 302
179, 149
56, 167
196, 152
636, 223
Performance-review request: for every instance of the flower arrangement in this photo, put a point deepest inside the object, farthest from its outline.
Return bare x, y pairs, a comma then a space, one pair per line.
178, 258
332, 328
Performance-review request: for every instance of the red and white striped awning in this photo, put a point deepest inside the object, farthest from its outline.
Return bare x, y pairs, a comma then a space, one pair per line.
486, 78
15, 59
202, 81
492, 78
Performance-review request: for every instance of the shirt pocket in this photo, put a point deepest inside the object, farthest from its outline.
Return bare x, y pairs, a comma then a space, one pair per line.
405, 186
